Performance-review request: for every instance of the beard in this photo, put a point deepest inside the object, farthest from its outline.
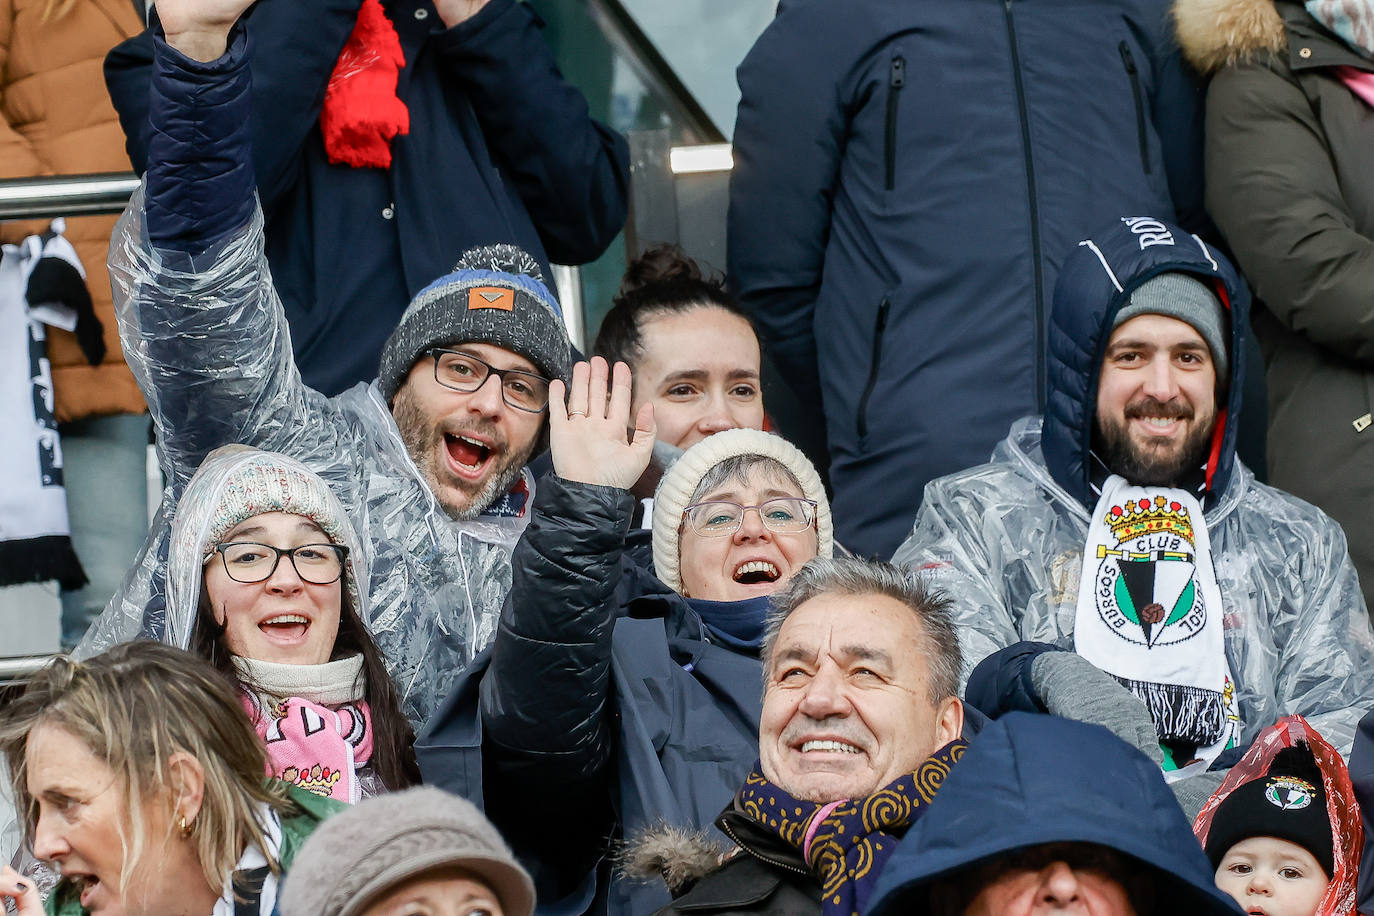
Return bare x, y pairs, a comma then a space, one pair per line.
423, 437
1157, 462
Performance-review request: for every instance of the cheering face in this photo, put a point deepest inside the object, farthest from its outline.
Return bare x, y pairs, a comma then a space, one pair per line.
82, 825
1156, 400
282, 618
1272, 877
754, 559
846, 705
468, 445
700, 370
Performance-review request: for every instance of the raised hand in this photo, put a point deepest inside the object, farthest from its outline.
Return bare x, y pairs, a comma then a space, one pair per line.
587, 434
20, 890
200, 28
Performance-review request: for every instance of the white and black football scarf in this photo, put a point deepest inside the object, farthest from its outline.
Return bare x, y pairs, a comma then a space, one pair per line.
35, 541
1149, 613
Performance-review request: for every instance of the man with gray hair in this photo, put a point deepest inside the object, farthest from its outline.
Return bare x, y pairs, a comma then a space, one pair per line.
860, 726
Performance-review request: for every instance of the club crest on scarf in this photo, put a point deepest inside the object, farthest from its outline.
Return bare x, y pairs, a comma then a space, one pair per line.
1146, 591
1150, 614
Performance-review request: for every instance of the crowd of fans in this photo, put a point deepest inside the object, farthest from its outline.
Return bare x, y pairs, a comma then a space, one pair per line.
1033, 636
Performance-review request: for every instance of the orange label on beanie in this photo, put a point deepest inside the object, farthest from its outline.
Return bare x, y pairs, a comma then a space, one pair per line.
491, 297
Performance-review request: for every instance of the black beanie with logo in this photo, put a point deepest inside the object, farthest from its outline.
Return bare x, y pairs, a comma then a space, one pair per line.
1288, 803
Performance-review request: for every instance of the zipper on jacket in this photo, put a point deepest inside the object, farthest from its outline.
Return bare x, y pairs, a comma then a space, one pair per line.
1039, 270
776, 863
896, 79
879, 326
1128, 61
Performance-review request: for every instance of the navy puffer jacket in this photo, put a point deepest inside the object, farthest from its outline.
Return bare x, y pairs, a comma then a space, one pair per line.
908, 179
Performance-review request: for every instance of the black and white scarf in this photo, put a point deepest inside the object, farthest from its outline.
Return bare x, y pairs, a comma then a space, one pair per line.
1150, 614
35, 540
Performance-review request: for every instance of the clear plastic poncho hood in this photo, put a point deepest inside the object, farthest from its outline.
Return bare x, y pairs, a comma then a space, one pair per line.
207, 339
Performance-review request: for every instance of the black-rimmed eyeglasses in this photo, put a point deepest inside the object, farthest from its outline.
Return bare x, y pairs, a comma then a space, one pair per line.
464, 372
247, 561
718, 517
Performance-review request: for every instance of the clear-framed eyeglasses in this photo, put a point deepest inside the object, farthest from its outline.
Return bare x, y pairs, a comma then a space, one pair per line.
461, 371
248, 562
783, 514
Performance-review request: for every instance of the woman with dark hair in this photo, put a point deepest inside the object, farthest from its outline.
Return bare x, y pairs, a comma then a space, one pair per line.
692, 352
262, 581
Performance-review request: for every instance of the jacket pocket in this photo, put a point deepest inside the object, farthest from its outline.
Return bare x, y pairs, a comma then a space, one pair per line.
1133, 73
875, 364
896, 79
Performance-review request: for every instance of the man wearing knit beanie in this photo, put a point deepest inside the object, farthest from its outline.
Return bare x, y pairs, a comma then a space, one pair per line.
1121, 527
428, 461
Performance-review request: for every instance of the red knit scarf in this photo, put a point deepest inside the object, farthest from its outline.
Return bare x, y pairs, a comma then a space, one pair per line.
361, 111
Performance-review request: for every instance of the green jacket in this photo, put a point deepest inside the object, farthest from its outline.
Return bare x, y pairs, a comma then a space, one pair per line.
1290, 183
66, 901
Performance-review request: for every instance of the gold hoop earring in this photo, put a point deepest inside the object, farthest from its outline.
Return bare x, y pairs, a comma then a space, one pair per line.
184, 827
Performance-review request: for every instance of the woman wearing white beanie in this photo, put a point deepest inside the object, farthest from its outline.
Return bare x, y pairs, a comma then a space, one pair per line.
611, 700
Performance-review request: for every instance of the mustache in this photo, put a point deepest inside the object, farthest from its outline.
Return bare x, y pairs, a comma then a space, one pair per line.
485, 429
1153, 407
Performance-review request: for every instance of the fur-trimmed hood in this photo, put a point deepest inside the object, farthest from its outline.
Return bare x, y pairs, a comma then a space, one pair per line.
1220, 33
678, 857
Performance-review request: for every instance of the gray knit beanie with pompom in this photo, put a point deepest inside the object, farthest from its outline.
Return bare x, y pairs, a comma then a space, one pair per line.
495, 295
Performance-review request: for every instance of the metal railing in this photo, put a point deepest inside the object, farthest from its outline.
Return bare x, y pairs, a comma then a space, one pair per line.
109, 192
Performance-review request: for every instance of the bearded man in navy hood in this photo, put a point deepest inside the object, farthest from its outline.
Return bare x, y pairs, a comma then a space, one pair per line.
1121, 526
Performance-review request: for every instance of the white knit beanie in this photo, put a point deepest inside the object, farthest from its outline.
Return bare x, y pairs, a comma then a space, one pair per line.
682, 479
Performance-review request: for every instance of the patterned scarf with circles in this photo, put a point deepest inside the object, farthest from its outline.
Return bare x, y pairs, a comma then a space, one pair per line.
846, 842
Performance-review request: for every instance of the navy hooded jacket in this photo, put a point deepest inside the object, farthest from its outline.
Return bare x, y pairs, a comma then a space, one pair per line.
1030, 780
500, 149
1097, 279
908, 179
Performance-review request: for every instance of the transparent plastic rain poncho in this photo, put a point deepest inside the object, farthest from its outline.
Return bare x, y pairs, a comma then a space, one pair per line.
1342, 810
207, 339
1006, 542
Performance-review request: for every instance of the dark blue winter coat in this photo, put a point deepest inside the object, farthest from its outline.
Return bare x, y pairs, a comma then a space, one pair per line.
1030, 780
500, 149
908, 178
600, 709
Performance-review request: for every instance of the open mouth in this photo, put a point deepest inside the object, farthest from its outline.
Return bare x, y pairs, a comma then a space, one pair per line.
285, 627
830, 745
467, 453
756, 572
89, 884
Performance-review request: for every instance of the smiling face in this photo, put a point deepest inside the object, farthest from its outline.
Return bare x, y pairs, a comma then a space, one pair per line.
1273, 877
1156, 400
700, 370
81, 814
469, 446
753, 561
443, 892
283, 618
846, 703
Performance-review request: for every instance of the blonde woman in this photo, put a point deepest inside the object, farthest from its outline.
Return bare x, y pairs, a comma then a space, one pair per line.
138, 774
